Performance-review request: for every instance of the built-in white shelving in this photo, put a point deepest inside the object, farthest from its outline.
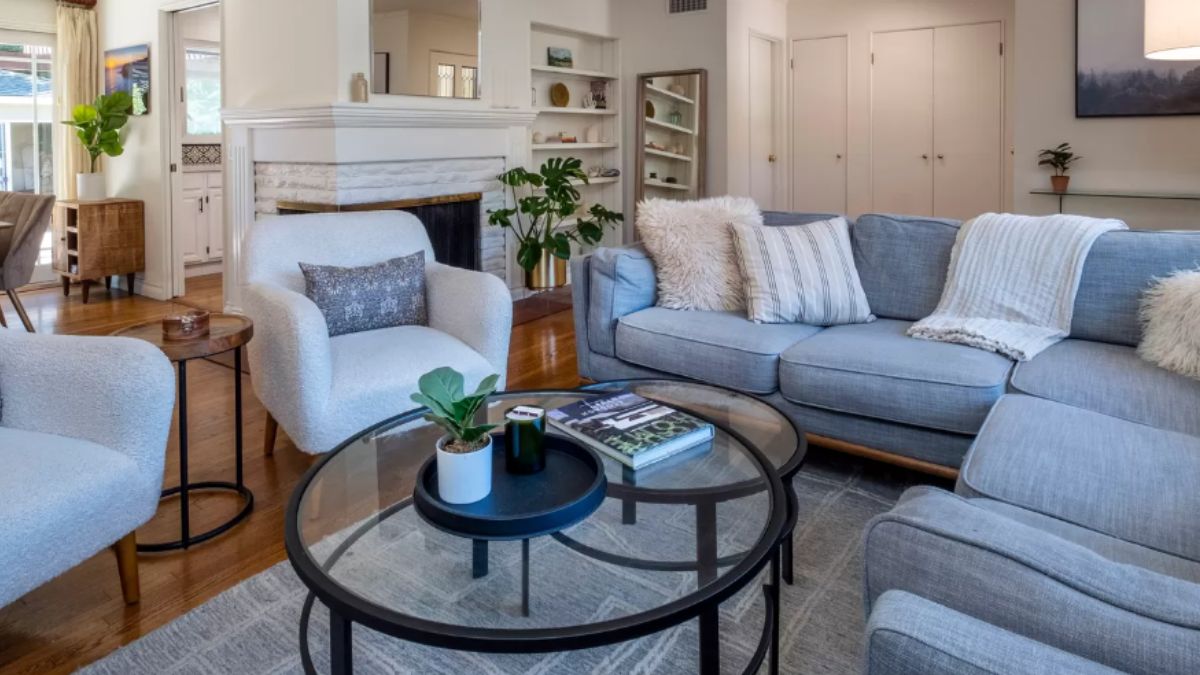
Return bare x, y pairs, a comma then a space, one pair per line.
669, 155
667, 125
567, 147
671, 134
573, 72
667, 186
669, 94
575, 111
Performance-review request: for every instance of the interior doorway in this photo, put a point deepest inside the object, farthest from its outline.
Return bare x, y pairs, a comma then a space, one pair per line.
764, 120
197, 189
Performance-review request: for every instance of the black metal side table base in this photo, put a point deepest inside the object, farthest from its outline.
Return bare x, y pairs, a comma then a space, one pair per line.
215, 485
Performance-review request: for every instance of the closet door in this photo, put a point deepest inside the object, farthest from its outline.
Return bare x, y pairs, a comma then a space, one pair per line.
819, 81
968, 85
902, 122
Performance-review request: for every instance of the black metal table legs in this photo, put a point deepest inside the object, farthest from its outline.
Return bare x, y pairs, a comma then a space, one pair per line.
185, 487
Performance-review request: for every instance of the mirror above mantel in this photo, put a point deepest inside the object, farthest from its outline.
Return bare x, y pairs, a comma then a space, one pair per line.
425, 48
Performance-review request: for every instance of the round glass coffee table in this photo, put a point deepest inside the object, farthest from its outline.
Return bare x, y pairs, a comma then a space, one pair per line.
668, 545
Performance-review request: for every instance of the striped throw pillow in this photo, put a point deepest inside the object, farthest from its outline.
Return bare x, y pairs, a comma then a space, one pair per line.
801, 274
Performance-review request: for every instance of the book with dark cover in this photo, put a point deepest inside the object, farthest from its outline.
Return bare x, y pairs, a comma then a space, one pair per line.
630, 429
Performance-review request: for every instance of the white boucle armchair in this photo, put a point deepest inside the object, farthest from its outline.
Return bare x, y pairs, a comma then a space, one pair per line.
83, 437
323, 390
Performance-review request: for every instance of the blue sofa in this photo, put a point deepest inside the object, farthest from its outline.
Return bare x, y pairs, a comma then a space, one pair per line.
1072, 542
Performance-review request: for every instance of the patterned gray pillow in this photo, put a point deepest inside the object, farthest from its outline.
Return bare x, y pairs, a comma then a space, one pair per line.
383, 295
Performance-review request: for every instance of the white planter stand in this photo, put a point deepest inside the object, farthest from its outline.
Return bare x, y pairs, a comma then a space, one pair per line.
90, 187
464, 478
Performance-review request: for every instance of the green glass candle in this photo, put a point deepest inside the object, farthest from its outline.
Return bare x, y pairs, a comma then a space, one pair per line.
525, 432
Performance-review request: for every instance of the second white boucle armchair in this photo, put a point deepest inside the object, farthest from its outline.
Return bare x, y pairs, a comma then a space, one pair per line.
323, 390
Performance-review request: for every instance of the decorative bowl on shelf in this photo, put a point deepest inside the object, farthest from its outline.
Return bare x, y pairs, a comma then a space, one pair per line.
186, 326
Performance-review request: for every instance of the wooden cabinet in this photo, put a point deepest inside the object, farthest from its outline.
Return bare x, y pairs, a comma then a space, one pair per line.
96, 241
200, 218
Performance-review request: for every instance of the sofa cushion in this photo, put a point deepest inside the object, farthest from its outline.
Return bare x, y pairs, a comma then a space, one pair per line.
1119, 478
902, 262
63, 500
1114, 380
722, 348
876, 370
622, 281
1119, 268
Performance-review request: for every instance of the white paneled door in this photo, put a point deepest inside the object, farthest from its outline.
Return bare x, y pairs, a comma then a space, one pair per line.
819, 112
902, 122
968, 88
937, 128
763, 107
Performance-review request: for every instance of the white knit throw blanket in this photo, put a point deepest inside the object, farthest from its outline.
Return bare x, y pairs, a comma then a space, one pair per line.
1012, 282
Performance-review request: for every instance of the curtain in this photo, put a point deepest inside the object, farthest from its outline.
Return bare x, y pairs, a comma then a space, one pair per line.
76, 77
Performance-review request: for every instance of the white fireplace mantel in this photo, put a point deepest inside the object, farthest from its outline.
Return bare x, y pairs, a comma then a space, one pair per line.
345, 133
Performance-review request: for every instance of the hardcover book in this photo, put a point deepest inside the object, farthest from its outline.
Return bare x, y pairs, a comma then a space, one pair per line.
631, 429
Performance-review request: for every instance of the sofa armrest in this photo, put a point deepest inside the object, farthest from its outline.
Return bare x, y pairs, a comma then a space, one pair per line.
909, 635
115, 392
290, 356
621, 281
474, 307
1016, 577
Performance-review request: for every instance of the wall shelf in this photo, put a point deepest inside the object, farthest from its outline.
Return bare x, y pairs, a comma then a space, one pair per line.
669, 94
667, 125
668, 155
1118, 194
565, 147
575, 111
592, 182
573, 72
667, 186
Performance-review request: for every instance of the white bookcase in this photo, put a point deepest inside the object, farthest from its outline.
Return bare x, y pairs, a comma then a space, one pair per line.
596, 59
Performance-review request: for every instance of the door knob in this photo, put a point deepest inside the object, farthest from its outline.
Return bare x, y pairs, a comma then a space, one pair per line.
941, 157
771, 157
925, 157
839, 156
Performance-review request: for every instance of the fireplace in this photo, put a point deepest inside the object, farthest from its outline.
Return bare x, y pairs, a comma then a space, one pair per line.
452, 222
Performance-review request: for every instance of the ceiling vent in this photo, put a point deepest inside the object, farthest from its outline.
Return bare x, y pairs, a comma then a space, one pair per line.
685, 6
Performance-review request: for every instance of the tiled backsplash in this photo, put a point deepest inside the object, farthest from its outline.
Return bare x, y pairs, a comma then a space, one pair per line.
201, 154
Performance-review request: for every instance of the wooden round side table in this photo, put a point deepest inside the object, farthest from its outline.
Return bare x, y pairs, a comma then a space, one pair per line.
227, 332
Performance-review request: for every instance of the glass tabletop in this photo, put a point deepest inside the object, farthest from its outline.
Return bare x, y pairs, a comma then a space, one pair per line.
662, 534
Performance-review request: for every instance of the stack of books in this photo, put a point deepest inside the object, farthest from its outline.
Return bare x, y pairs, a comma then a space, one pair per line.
631, 429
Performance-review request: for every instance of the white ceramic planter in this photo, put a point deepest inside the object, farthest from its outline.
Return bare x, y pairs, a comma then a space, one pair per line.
89, 187
464, 478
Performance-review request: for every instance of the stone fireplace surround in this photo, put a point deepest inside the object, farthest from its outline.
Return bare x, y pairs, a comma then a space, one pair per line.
362, 153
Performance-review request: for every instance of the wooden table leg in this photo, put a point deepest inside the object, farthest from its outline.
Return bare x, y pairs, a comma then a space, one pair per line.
129, 281
66, 282
86, 287
108, 283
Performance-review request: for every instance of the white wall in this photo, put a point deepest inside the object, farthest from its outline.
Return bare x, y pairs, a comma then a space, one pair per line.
652, 41
858, 19
31, 15
389, 33
284, 52
766, 18
200, 24
1149, 154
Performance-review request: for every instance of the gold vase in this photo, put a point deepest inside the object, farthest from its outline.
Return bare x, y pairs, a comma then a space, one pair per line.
550, 272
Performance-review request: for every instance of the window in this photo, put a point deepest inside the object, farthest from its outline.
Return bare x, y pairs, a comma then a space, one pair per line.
468, 82
202, 81
26, 119
445, 81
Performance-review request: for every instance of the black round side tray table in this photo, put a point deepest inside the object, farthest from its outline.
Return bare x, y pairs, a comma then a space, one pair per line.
227, 332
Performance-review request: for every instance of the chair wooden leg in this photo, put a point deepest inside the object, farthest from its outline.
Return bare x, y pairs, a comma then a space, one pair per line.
3, 322
127, 567
16, 301
272, 428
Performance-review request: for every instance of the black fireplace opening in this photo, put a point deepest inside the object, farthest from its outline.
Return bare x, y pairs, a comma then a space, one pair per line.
452, 223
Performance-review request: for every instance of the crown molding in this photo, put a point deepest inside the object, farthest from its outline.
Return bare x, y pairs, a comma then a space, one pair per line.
366, 115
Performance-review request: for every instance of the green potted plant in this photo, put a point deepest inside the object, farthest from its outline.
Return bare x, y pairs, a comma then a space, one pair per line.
546, 218
464, 454
98, 127
1060, 160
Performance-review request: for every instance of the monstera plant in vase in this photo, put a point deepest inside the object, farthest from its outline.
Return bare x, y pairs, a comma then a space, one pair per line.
464, 454
98, 128
546, 218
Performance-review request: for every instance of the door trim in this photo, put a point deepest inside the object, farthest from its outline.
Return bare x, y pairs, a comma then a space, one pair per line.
778, 115
791, 93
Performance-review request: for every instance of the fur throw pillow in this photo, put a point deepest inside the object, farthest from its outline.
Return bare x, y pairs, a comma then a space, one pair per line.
692, 249
1171, 324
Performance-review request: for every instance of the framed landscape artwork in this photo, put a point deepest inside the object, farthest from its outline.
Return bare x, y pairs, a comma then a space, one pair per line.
1113, 78
128, 69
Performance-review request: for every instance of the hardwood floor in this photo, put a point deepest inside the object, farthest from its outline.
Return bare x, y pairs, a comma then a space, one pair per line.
80, 616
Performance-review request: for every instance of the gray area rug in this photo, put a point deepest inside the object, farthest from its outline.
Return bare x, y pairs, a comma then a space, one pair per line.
253, 627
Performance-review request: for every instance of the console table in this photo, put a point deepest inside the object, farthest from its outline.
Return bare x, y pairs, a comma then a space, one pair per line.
1118, 194
97, 240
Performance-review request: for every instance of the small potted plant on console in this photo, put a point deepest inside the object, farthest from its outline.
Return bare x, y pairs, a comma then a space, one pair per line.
1060, 160
464, 454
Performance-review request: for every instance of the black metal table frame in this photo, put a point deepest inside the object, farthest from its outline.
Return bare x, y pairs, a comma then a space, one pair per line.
185, 488
347, 608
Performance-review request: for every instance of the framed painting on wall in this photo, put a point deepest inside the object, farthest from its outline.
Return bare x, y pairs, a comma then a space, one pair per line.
1113, 77
128, 69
